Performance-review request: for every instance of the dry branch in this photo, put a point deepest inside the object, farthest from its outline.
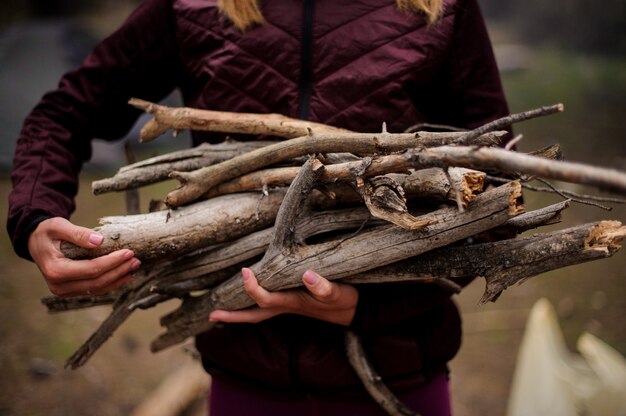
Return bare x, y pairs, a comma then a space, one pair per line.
573, 246
196, 183
371, 380
183, 118
505, 263
513, 118
512, 162
158, 168
334, 260
157, 234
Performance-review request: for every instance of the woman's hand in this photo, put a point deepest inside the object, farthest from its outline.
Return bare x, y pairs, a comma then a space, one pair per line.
67, 277
323, 299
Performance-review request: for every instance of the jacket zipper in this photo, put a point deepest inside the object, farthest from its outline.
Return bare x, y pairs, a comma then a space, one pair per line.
306, 70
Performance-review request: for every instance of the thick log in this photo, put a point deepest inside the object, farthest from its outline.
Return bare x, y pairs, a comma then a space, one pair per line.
158, 234
183, 118
157, 169
573, 246
337, 259
508, 262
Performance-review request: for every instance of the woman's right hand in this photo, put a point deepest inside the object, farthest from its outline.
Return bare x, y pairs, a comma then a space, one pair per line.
66, 277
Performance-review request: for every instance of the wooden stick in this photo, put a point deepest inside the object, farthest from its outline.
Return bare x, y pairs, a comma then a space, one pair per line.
158, 234
372, 382
157, 169
534, 256
513, 118
166, 118
508, 161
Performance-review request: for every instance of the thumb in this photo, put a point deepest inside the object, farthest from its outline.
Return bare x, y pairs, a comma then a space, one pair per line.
319, 287
80, 236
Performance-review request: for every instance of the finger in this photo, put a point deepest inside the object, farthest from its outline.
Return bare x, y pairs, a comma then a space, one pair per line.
69, 270
262, 297
96, 285
116, 284
321, 288
62, 229
252, 315
99, 284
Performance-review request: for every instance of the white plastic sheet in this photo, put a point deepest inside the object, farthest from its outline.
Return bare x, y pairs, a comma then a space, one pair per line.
550, 380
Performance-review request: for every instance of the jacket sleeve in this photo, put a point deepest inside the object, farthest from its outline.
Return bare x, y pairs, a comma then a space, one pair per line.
138, 60
473, 93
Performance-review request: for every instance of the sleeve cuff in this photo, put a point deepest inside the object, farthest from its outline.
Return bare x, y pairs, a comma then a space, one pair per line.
21, 242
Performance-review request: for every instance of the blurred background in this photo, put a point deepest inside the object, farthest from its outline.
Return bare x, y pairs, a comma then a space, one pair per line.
572, 52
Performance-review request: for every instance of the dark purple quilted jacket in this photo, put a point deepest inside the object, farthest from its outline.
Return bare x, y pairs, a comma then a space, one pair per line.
349, 63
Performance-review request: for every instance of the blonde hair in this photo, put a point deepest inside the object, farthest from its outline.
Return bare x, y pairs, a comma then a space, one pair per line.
247, 13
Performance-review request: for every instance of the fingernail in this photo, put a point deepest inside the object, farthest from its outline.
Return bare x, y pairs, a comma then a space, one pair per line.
135, 264
128, 255
245, 274
96, 239
310, 277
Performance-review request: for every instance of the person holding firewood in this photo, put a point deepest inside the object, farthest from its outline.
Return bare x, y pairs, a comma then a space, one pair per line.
350, 64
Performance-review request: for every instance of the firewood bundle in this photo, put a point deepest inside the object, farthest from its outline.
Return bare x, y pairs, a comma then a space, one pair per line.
359, 207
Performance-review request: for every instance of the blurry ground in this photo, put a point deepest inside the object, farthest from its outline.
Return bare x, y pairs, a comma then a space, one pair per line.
588, 297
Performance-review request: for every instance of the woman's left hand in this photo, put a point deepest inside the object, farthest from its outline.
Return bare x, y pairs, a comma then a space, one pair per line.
323, 299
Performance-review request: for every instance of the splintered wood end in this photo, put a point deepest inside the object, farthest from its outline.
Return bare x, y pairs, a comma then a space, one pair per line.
515, 206
606, 236
151, 130
473, 182
316, 165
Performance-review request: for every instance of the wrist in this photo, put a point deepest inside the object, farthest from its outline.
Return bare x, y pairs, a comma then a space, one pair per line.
21, 245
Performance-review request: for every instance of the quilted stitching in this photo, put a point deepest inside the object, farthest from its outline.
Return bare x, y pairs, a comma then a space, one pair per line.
259, 59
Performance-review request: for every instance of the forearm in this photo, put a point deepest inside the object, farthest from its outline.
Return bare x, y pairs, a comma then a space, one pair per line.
89, 102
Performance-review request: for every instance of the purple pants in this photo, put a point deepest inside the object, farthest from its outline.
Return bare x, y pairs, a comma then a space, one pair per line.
432, 399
